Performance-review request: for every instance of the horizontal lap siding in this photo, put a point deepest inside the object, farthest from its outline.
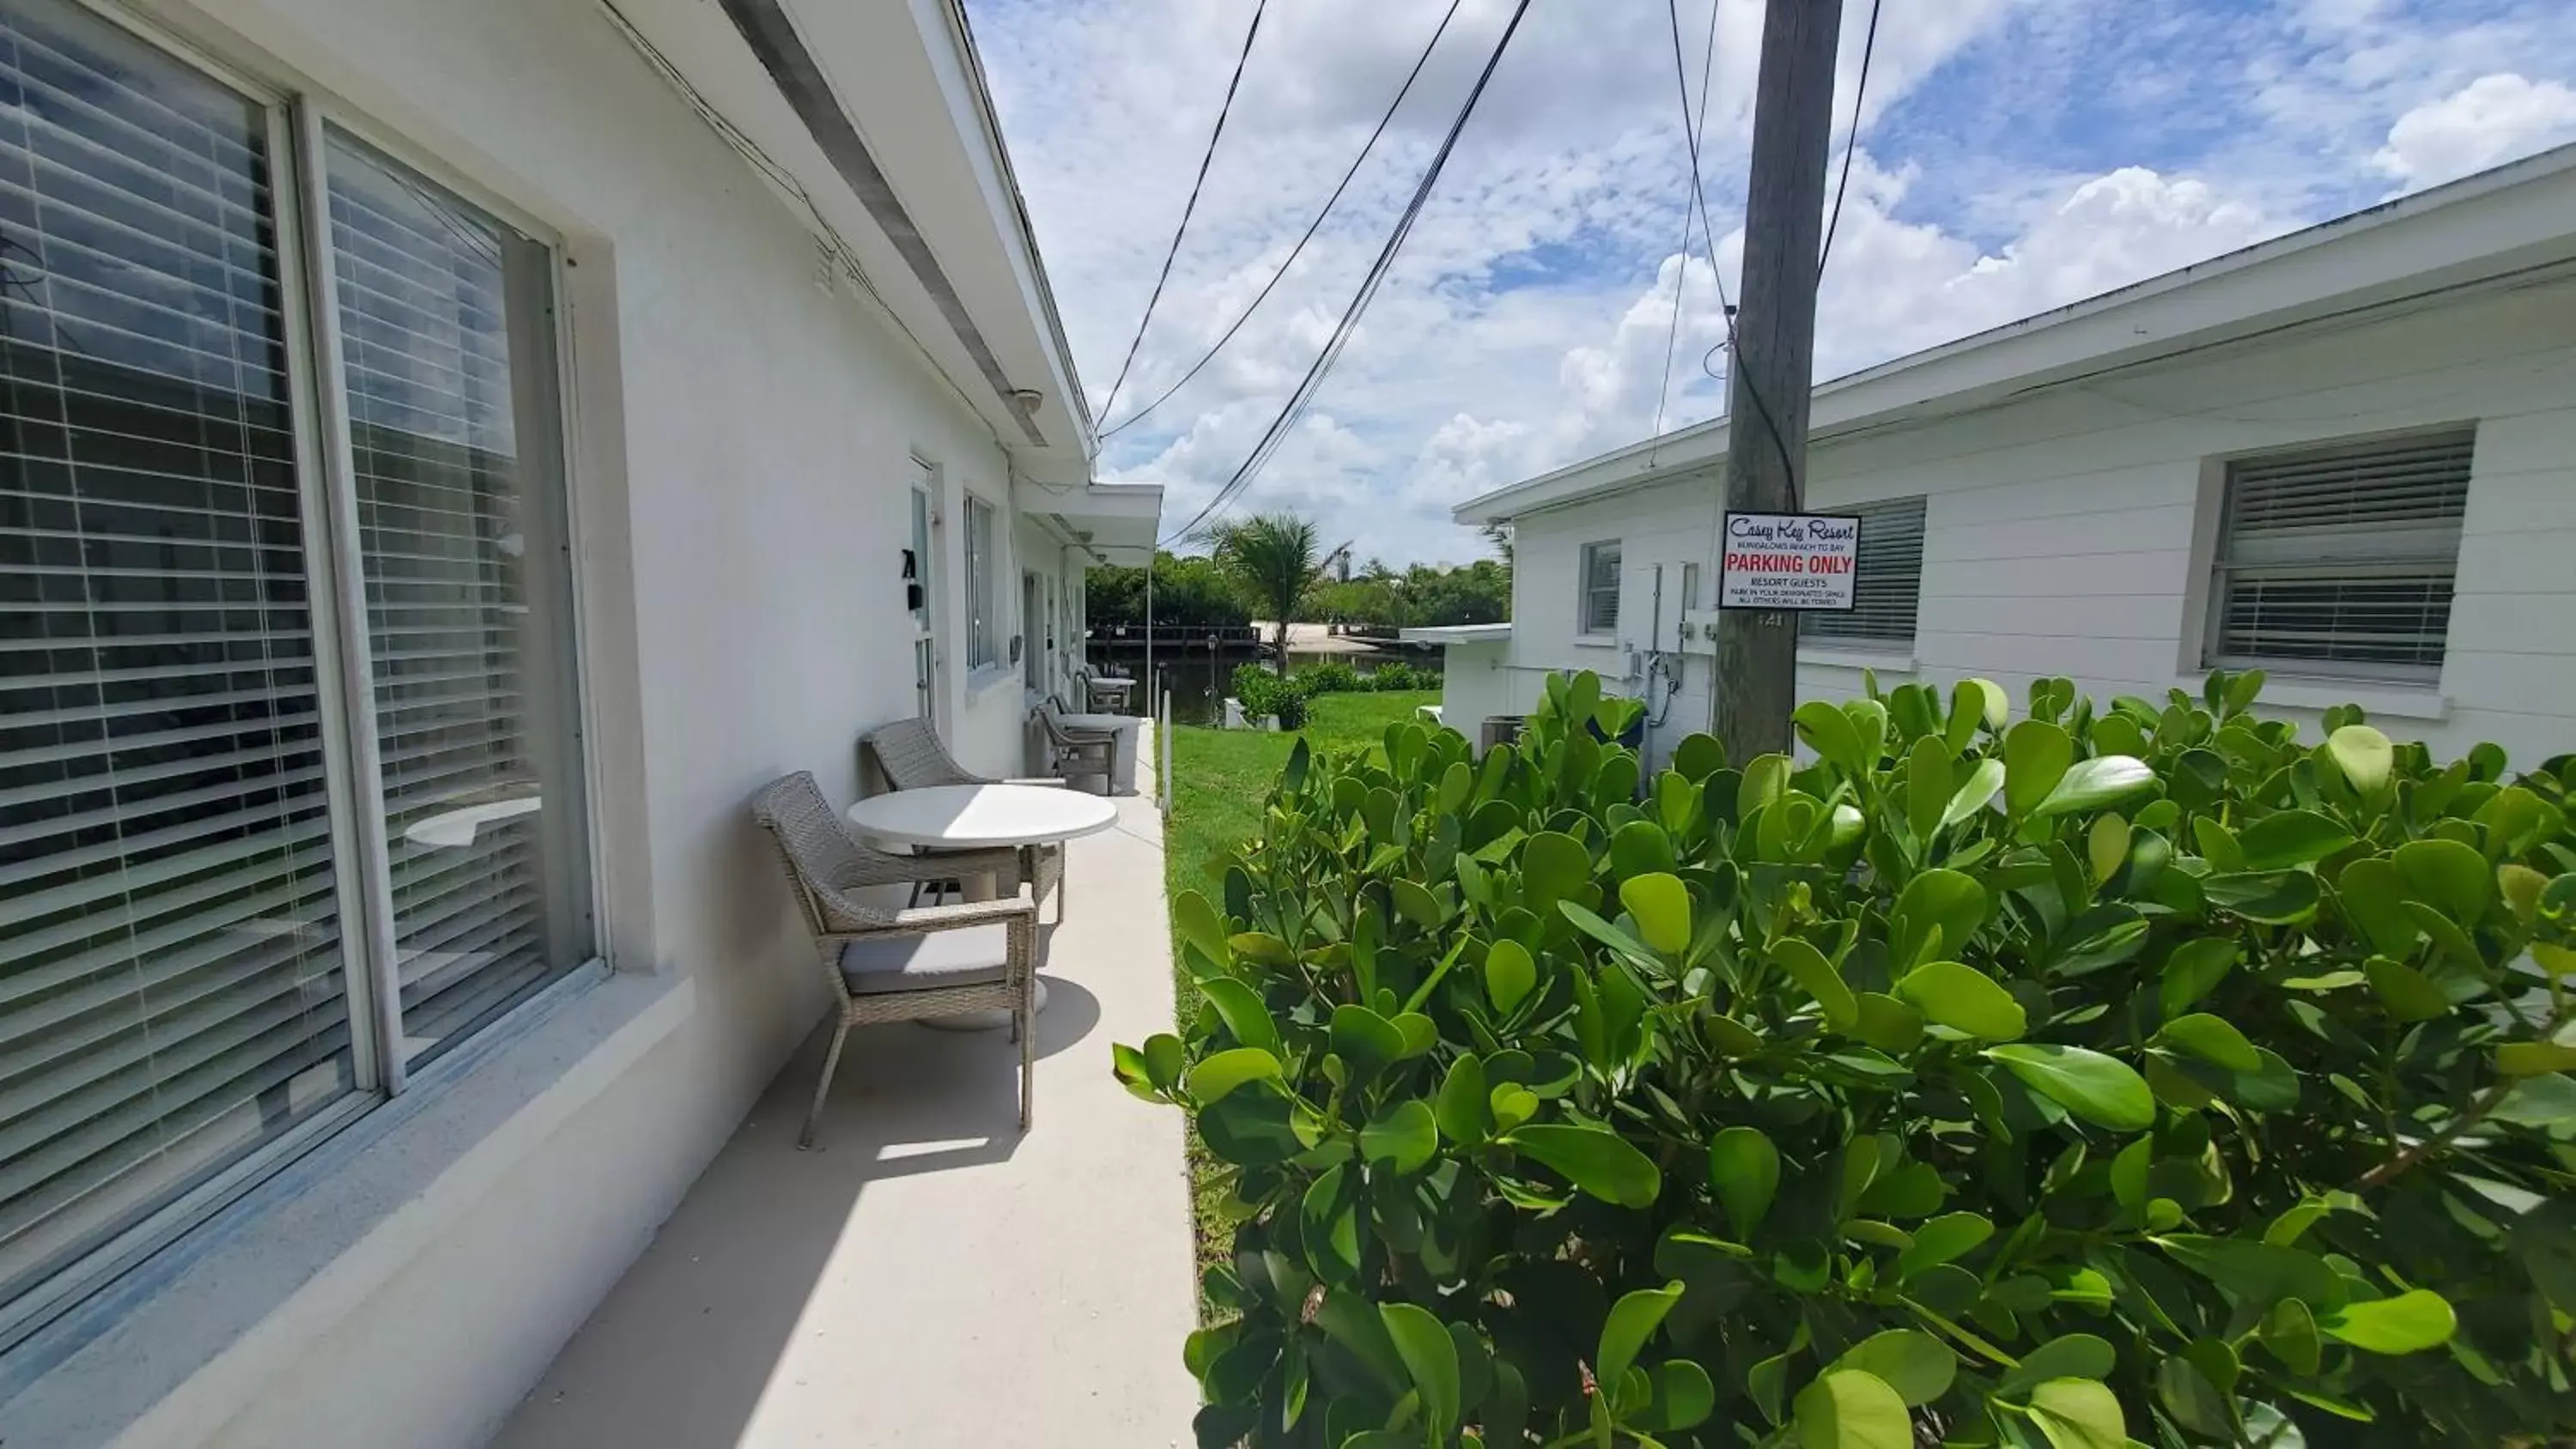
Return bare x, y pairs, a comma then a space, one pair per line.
2064, 535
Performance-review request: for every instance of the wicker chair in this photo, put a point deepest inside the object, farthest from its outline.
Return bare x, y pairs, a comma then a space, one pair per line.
1078, 751
900, 965
911, 756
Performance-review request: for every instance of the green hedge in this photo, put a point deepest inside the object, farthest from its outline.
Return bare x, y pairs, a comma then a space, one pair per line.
2142, 1074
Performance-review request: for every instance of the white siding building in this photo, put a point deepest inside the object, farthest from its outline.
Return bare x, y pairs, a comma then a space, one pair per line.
2346, 457
451, 453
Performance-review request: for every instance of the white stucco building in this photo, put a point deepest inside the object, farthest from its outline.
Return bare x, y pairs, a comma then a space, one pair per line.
457, 450
2346, 456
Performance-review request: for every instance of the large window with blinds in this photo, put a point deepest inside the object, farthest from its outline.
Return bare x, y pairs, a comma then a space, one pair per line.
290, 780
1887, 582
2340, 560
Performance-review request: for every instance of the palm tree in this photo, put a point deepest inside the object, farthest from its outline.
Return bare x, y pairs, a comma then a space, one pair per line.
1271, 558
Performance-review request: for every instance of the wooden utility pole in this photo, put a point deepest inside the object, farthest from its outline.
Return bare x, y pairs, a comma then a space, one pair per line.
1775, 348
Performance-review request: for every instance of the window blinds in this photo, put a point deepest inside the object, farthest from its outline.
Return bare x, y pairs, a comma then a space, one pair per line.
171, 987
1887, 585
2343, 557
457, 544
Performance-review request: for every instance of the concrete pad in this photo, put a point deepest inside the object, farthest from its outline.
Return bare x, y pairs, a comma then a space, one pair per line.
929, 1276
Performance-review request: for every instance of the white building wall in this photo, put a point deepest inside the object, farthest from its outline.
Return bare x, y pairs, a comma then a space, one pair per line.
2072, 534
744, 453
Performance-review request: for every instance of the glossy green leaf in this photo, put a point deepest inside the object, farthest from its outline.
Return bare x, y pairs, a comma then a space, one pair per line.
1329, 1223
2289, 1330
2094, 783
1633, 1320
2102, 1090
1214, 1077
1510, 974
2531, 1058
1403, 1137
1641, 847
2037, 755
1964, 999
1364, 1037
1808, 967
1240, 1007
2291, 837
1765, 778
2194, 970
1462, 1111
2408, 1323
1917, 1365
1825, 729
2212, 1039
1985, 780
1699, 756
1744, 1168
2448, 876
1598, 1161
1198, 924
2371, 894
1554, 866
2406, 994
1851, 1409
1944, 900
1928, 772
2079, 1414
1941, 1240
2106, 846
1684, 1397
2255, 1272
2363, 755
1430, 1357
2069, 1356
1661, 906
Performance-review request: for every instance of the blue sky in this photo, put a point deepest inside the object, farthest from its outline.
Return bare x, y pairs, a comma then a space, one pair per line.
2014, 155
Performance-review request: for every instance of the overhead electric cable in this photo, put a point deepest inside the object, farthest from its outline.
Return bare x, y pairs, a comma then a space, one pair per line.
1192, 205
1699, 132
1708, 234
1331, 351
1311, 228
1851, 138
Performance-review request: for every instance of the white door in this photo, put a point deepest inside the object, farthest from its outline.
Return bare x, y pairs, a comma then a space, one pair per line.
925, 640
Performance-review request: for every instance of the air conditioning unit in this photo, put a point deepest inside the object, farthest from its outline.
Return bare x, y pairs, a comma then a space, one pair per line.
1498, 729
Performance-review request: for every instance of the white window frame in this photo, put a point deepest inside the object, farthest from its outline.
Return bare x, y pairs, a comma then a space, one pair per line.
2439, 548
1588, 594
983, 589
297, 112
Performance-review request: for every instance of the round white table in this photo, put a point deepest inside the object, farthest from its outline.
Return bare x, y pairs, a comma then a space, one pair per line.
970, 817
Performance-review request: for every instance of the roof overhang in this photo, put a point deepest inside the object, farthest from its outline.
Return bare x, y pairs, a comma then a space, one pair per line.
1116, 523
879, 127
2512, 226
1457, 634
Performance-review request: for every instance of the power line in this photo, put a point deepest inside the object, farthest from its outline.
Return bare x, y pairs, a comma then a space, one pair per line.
1331, 351
1311, 228
1708, 234
1187, 208
1851, 138
1699, 132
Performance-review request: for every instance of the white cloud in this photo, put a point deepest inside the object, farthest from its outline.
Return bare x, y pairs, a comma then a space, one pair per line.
2487, 122
1525, 324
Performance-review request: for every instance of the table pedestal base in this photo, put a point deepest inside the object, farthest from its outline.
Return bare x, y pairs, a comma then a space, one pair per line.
995, 1020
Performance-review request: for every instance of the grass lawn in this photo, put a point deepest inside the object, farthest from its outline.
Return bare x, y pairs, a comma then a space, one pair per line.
1219, 780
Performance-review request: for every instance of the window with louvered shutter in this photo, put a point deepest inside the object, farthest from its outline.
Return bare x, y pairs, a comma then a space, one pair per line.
1599, 605
2340, 560
442, 314
172, 992
1887, 582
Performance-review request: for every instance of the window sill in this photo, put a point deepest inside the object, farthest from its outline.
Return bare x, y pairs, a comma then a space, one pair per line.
983, 679
245, 1294
1596, 641
2378, 698
1885, 661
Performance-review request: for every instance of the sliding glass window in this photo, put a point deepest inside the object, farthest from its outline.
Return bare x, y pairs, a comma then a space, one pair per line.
219, 792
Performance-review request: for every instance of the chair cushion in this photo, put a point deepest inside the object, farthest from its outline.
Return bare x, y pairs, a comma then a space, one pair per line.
965, 956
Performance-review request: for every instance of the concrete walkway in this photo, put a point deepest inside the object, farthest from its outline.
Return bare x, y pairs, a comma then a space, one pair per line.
929, 1277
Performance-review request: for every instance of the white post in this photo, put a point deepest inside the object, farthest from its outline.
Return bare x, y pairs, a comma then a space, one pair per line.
1163, 747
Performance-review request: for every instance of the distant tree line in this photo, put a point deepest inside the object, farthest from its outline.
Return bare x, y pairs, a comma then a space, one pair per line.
1259, 562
